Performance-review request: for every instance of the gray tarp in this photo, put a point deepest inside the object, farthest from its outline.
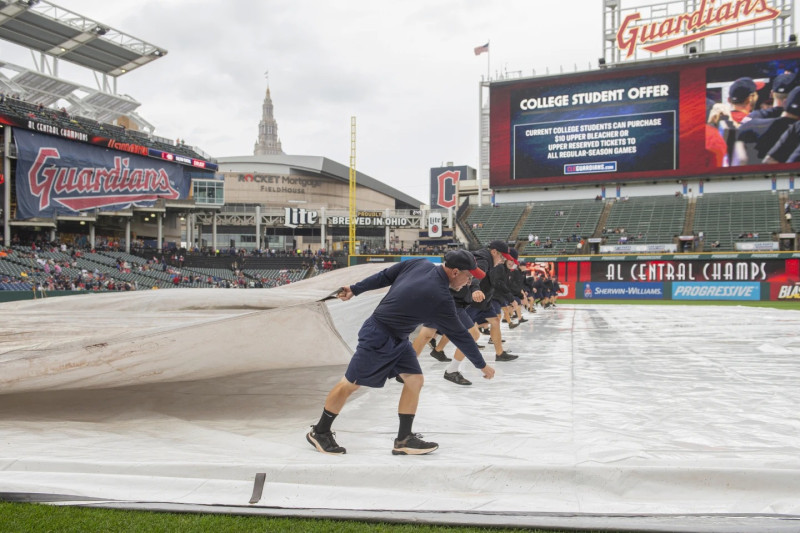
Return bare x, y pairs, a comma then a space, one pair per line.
673, 418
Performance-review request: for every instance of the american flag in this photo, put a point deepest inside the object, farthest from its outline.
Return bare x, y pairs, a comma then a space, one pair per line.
481, 49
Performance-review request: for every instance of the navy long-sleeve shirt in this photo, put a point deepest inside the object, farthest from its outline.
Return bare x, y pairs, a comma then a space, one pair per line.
420, 293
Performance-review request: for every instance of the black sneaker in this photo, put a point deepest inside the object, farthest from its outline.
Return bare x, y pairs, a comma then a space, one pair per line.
485, 331
513, 325
413, 445
481, 346
521, 320
456, 378
399, 379
324, 442
505, 356
439, 356
432, 342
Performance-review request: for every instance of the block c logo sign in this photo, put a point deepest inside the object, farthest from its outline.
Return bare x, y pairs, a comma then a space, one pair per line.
446, 196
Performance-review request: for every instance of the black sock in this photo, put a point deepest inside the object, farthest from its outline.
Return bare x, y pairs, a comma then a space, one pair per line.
405, 425
325, 421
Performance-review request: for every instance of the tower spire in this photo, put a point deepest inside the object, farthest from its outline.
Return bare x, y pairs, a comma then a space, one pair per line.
268, 142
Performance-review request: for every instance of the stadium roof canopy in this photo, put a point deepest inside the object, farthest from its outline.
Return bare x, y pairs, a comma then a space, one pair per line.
63, 34
37, 88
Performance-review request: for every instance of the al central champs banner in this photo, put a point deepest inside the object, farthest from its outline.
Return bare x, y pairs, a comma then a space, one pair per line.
55, 177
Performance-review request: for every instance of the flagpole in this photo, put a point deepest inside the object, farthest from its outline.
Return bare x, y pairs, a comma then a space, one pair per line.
488, 59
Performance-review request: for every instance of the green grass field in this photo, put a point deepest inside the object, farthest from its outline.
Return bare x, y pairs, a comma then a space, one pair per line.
39, 518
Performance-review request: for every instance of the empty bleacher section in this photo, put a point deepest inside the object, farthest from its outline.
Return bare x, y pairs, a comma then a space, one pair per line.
489, 223
559, 225
727, 218
645, 220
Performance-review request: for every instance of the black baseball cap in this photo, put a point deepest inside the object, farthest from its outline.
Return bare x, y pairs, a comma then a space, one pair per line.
792, 103
515, 254
741, 89
783, 83
463, 260
501, 247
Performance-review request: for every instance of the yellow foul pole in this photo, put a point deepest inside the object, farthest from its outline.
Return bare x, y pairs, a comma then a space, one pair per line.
352, 242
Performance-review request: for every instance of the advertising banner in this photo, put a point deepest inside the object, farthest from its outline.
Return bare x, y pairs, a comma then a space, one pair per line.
716, 291
623, 291
74, 134
566, 291
785, 291
688, 270
678, 120
435, 225
59, 177
443, 185
606, 126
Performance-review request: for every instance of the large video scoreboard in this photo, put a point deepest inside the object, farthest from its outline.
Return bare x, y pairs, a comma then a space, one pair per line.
631, 123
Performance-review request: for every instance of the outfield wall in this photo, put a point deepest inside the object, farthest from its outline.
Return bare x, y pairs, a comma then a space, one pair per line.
707, 276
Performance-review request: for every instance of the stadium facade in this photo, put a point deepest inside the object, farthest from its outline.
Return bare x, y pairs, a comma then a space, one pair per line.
88, 168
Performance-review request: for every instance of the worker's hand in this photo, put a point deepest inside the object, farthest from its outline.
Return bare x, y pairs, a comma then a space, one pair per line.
488, 372
345, 294
478, 296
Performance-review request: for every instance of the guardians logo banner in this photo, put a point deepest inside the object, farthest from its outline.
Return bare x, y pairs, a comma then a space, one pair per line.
54, 177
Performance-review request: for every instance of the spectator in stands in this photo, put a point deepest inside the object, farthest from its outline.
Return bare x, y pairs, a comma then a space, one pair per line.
419, 293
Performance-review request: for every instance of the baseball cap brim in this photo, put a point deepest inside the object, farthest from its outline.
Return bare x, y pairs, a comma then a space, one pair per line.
477, 273
509, 257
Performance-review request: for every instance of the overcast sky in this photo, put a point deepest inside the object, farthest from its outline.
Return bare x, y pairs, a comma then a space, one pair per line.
406, 70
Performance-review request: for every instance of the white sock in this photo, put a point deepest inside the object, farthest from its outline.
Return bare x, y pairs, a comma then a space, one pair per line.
453, 366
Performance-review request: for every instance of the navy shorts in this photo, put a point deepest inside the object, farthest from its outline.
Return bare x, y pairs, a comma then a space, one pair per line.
479, 316
463, 316
380, 356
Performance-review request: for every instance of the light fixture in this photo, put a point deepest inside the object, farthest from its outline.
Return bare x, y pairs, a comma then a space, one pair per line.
692, 50
601, 62
793, 39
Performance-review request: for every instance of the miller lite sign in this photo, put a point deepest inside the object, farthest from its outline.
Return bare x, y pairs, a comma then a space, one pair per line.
435, 225
711, 18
